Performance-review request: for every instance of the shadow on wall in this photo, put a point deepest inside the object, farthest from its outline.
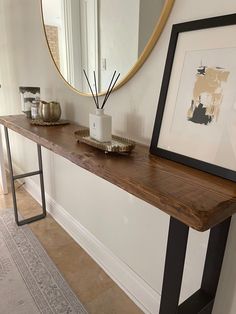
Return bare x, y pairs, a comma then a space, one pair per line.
69, 111
225, 297
133, 127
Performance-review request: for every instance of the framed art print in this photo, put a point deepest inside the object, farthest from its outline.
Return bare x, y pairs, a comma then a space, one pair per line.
196, 116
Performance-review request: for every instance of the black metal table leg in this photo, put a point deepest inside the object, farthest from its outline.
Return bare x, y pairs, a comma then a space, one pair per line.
40, 163
202, 301
174, 265
13, 178
214, 257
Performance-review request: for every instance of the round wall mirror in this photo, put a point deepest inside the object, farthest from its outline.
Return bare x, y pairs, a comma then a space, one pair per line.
102, 36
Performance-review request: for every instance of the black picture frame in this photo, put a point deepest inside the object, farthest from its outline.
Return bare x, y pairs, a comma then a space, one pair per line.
218, 21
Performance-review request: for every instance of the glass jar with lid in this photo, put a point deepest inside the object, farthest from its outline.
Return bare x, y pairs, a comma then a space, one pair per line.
35, 114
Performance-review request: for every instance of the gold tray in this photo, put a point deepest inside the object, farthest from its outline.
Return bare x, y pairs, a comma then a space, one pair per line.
117, 145
43, 123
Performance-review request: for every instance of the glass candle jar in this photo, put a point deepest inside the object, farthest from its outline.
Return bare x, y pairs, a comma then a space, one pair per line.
35, 109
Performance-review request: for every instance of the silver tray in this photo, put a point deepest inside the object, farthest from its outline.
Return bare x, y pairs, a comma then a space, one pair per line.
117, 145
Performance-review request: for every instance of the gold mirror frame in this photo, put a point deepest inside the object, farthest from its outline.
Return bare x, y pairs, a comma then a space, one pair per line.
146, 52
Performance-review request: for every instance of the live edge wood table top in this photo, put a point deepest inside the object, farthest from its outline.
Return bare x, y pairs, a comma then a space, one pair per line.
198, 199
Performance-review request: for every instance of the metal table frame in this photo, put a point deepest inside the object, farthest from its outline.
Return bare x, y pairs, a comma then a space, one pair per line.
20, 176
202, 301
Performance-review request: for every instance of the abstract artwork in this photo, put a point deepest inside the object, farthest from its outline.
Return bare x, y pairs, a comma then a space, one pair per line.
196, 116
207, 94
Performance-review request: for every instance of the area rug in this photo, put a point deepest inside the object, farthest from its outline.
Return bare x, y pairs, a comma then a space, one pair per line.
30, 283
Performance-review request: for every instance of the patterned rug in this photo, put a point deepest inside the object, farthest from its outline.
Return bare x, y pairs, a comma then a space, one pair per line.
29, 281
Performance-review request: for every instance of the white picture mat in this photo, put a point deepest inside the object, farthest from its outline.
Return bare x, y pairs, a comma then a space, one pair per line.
214, 143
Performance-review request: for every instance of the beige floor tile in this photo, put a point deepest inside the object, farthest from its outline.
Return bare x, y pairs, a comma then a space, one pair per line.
86, 278
113, 301
50, 234
95, 289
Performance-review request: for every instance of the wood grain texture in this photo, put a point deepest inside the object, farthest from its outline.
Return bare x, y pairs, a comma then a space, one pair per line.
198, 199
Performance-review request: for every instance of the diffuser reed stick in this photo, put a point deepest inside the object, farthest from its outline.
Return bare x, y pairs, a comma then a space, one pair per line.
91, 89
109, 90
96, 89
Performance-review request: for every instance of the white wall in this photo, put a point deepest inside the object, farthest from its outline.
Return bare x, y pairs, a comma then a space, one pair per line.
133, 230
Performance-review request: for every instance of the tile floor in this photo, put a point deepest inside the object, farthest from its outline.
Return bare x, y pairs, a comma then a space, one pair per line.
95, 289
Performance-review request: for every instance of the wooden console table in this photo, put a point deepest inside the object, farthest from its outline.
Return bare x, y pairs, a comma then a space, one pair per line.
190, 197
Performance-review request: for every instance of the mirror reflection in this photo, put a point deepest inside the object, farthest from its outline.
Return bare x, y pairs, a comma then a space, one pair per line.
98, 35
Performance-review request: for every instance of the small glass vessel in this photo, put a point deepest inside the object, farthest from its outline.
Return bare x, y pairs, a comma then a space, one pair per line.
35, 109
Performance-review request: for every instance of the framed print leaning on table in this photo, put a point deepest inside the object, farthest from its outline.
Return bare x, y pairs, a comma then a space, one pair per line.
196, 116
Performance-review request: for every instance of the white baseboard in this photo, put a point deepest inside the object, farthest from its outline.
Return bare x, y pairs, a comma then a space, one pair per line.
132, 284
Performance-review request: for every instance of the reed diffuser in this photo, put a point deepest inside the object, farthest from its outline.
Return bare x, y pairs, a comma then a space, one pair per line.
100, 124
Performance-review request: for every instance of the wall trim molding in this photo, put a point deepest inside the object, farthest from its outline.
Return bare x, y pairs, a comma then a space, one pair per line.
133, 285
